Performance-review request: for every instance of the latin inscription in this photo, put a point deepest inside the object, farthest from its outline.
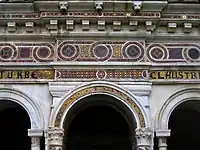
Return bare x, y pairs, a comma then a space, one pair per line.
27, 74
184, 75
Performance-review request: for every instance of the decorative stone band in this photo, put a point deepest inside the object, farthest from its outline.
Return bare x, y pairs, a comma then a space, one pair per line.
92, 51
98, 89
99, 74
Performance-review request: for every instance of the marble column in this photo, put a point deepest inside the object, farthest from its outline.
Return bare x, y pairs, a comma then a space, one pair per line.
35, 135
144, 138
55, 138
162, 138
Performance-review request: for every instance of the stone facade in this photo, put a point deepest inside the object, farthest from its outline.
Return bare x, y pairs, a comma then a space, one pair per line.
53, 54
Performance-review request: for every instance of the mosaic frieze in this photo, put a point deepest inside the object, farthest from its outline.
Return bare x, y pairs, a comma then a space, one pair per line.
26, 52
100, 51
173, 52
147, 15
98, 90
27, 74
101, 74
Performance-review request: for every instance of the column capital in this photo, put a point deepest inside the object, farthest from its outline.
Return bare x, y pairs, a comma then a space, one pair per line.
163, 133
35, 132
144, 138
55, 136
143, 132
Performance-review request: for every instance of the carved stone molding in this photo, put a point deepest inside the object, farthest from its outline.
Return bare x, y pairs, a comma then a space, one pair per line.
137, 88
58, 89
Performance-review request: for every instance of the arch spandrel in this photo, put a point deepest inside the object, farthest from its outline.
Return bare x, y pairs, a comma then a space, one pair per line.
179, 97
130, 102
31, 107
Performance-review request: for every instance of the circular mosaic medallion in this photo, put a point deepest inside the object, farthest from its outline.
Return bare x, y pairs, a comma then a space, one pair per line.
68, 52
43, 52
157, 52
101, 52
101, 74
193, 53
6, 53
133, 51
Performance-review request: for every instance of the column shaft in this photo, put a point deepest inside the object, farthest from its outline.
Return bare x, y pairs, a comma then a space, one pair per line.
35, 143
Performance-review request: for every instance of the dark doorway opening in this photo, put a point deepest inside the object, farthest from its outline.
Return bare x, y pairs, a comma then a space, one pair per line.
98, 127
184, 123
14, 127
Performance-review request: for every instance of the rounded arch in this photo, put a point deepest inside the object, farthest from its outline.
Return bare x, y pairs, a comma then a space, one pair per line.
59, 114
172, 102
32, 108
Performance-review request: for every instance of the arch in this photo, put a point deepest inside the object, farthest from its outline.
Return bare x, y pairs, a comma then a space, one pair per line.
172, 102
32, 108
58, 116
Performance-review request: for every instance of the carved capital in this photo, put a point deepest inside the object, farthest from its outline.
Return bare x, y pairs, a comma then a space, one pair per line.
144, 138
55, 137
143, 133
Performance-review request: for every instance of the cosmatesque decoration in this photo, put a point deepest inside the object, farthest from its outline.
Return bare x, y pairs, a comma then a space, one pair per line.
26, 52
173, 52
96, 90
103, 51
101, 74
125, 51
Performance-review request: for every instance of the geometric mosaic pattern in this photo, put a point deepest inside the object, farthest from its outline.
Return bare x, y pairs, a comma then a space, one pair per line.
26, 52
173, 52
100, 51
101, 74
